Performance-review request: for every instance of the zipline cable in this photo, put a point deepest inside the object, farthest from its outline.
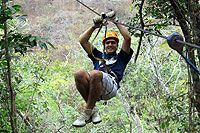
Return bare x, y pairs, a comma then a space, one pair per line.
88, 8
189, 44
137, 28
179, 41
158, 35
145, 31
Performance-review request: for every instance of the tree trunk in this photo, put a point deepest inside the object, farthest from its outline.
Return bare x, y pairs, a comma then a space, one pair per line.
194, 9
189, 22
8, 73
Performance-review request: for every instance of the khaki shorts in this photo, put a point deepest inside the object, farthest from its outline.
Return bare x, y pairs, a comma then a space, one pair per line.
110, 87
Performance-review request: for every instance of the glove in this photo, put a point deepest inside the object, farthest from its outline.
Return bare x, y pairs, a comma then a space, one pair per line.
97, 21
111, 16
172, 41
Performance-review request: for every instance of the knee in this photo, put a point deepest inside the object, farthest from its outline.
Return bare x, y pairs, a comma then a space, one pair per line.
96, 76
80, 75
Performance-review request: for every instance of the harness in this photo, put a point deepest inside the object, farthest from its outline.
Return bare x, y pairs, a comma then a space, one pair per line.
102, 60
183, 43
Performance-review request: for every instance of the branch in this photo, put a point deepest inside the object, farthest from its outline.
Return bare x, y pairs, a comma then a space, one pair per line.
149, 25
156, 71
127, 108
25, 119
142, 33
172, 74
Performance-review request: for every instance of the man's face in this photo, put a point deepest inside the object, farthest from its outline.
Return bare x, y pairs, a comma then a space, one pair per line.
110, 46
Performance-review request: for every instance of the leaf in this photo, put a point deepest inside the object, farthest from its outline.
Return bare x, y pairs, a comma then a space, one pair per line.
50, 45
17, 8
164, 44
43, 45
158, 27
8, 12
37, 38
162, 125
1, 26
3, 63
179, 108
137, 34
31, 38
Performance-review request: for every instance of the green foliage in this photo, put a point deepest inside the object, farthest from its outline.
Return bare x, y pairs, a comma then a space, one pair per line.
145, 86
153, 95
47, 95
11, 42
162, 17
44, 91
16, 40
156, 15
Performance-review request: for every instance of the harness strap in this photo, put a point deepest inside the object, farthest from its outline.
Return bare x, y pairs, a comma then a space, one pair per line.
101, 59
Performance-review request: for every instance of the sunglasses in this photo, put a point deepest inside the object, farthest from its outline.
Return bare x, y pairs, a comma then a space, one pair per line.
112, 42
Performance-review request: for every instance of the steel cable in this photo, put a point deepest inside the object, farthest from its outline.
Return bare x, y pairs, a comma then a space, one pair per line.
146, 31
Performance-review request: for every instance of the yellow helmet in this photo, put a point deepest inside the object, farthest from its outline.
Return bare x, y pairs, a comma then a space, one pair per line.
110, 35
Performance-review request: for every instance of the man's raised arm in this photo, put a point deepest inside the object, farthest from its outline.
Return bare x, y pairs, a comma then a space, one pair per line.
127, 37
84, 38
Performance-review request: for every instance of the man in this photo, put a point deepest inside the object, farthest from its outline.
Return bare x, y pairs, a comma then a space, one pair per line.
102, 83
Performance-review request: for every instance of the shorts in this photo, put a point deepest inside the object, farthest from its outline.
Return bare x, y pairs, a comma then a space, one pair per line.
110, 87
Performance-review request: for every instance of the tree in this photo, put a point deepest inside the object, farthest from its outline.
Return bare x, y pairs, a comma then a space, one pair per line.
11, 41
158, 14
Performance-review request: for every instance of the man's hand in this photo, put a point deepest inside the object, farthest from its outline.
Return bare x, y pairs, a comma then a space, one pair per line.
111, 16
97, 21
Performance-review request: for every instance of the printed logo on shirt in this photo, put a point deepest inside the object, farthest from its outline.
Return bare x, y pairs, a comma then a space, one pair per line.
108, 61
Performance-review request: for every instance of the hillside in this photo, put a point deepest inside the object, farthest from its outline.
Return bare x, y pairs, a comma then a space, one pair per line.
62, 21
38, 90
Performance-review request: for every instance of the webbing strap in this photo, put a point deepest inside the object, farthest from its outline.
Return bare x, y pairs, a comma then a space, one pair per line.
107, 69
146, 31
190, 63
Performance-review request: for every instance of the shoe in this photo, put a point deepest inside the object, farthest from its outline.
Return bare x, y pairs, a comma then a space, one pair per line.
84, 118
96, 118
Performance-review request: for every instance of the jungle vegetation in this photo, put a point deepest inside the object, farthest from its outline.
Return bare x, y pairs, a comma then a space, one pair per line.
159, 93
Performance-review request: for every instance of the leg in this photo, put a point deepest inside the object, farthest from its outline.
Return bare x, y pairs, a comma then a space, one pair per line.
96, 88
90, 88
82, 83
